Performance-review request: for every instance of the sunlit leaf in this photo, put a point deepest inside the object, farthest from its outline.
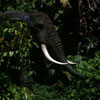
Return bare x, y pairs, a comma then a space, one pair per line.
11, 53
5, 54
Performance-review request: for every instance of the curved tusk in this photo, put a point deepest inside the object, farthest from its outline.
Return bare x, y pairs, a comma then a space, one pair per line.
47, 55
69, 62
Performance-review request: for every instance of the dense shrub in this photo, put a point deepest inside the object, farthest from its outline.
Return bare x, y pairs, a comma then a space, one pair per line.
87, 89
13, 42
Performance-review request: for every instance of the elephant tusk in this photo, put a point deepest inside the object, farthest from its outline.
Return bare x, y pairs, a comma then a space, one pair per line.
47, 55
69, 62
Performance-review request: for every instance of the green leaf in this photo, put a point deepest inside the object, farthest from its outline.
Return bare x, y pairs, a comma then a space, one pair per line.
11, 53
5, 30
5, 54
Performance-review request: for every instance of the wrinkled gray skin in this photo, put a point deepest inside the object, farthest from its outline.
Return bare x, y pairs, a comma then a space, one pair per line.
45, 32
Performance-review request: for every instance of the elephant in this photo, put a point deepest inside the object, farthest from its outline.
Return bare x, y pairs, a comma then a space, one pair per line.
46, 35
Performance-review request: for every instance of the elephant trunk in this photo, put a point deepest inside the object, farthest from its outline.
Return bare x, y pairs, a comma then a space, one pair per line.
57, 46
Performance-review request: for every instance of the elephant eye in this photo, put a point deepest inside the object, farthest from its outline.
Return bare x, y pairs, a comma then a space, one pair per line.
39, 26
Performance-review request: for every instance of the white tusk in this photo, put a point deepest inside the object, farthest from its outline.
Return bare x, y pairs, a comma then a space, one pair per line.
47, 55
69, 62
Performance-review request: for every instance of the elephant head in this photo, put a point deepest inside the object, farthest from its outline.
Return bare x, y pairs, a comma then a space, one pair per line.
46, 35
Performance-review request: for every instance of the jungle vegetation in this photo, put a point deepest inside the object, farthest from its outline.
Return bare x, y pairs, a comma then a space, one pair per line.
78, 24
